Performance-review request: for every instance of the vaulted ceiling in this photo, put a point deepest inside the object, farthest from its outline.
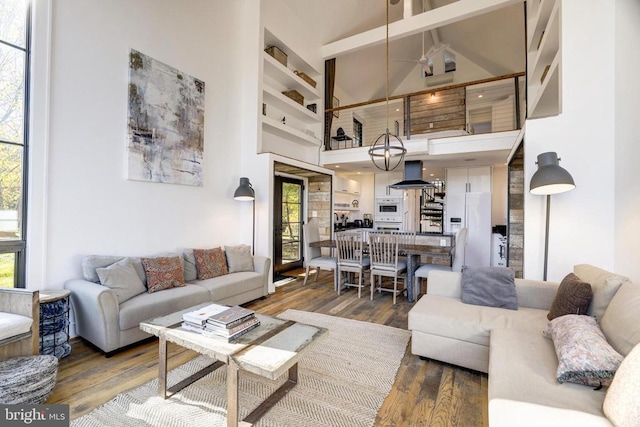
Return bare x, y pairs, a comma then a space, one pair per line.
493, 42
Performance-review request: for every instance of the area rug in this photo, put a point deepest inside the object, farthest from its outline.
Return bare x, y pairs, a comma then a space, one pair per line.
343, 381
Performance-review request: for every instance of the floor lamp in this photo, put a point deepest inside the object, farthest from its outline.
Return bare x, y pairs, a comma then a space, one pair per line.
550, 178
245, 193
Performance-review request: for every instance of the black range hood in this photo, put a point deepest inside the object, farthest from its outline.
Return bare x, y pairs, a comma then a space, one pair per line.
412, 176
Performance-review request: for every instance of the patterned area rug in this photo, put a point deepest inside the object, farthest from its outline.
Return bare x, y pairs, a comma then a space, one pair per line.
343, 381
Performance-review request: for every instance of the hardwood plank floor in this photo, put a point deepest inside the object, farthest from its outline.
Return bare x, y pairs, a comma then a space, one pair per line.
425, 393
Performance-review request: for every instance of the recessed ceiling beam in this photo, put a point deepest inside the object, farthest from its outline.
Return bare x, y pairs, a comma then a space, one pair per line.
445, 15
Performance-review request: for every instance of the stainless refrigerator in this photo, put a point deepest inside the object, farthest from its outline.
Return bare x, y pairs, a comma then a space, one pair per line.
473, 211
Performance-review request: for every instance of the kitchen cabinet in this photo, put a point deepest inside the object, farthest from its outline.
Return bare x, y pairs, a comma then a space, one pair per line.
346, 186
544, 58
282, 116
382, 181
468, 180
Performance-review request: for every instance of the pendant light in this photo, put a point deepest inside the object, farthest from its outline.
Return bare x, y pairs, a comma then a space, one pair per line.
387, 151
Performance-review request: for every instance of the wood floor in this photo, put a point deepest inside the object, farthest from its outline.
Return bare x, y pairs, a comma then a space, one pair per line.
426, 392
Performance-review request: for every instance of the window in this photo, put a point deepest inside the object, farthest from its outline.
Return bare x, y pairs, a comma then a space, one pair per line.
14, 115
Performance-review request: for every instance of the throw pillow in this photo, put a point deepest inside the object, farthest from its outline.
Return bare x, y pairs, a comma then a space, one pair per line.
163, 273
239, 258
210, 263
621, 402
584, 355
190, 270
122, 278
573, 297
621, 321
604, 285
489, 286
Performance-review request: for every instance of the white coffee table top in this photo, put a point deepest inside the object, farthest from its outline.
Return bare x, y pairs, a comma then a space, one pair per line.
269, 350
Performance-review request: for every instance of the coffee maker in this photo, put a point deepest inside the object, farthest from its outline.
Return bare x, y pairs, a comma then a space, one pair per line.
367, 221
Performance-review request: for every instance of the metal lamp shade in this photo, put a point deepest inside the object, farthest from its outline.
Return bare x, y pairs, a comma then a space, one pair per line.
384, 155
244, 191
550, 178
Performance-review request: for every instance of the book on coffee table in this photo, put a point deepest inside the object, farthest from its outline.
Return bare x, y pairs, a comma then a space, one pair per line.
200, 316
231, 317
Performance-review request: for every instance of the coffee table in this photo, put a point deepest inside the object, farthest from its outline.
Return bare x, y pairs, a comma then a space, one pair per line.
270, 350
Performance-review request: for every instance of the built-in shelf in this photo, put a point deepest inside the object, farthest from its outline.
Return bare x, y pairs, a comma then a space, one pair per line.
287, 132
301, 125
544, 58
288, 78
339, 209
288, 106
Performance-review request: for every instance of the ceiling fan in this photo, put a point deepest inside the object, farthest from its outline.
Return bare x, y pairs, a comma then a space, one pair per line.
426, 60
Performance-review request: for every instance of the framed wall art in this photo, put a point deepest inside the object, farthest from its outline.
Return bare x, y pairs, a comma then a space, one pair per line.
165, 123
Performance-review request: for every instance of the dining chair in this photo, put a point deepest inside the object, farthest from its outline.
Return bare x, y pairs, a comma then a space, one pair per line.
351, 260
313, 256
405, 237
456, 265
383, 250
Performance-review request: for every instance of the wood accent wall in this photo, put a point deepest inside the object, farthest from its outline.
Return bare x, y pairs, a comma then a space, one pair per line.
515, 253
444, 110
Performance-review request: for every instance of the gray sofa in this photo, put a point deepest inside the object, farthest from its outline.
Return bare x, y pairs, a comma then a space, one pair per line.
509, 345
111, 325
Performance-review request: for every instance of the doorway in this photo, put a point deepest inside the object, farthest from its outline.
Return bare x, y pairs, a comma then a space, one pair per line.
288, 219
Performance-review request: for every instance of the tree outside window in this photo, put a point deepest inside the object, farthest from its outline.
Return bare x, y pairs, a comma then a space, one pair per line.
14, 60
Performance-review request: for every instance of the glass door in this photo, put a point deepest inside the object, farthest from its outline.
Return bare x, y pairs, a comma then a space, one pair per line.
287, 251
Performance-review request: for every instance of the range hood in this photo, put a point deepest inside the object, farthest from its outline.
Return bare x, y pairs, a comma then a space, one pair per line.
412, 176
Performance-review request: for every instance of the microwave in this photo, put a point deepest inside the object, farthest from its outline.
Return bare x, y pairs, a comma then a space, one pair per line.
388, 206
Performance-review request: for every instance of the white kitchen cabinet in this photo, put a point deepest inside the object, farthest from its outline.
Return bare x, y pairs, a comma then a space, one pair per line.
469, 180
347, 186
382, 181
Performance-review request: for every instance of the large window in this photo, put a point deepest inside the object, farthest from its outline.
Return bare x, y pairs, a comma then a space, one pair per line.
14, 101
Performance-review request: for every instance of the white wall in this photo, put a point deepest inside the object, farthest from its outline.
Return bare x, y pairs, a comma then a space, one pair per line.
582, 220
91, 207
627, 138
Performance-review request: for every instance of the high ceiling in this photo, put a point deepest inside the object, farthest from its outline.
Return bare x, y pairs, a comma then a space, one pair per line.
493, 44
493, 41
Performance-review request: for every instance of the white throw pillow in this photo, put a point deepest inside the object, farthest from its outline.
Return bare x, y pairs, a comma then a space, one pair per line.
122, 279
621, 402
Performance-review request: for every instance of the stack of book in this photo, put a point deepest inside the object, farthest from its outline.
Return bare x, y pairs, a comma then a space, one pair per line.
221, 321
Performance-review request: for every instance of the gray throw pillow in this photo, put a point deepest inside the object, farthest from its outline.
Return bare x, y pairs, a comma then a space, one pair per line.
489, 286
122, 279
239, 258
190, 270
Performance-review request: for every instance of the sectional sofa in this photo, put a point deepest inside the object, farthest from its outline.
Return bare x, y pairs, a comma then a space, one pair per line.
510, 346
111, 325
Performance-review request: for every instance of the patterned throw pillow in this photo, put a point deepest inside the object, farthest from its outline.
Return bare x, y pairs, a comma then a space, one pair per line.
210, 263
573, 297
584, 355
163, 273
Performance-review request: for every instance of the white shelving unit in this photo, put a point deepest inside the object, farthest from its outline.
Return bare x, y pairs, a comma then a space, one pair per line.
544, 76
301, 125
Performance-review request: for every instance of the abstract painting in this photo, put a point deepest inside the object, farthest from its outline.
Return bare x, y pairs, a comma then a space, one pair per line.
166, 123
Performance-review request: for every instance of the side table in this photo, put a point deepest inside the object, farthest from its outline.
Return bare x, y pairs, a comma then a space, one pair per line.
54, 323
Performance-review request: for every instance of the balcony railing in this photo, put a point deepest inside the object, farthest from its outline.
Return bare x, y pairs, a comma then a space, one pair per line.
491, 105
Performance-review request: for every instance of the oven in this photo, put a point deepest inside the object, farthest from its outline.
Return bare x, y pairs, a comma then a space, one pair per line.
388, 226
388, 222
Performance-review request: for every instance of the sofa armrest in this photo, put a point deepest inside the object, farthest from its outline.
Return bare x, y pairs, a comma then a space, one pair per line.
96, 312
536, 293
262, 265
444, 283
26, 303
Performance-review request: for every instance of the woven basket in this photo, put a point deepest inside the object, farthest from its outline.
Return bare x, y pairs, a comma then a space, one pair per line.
279, 55
306, 78
295, 95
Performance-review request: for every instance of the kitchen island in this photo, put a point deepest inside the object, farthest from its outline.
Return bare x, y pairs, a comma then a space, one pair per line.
425, 246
